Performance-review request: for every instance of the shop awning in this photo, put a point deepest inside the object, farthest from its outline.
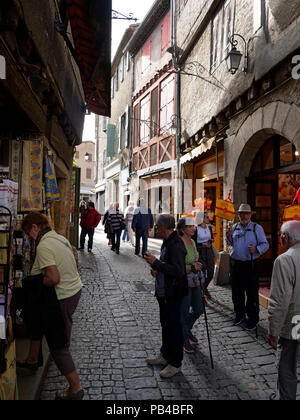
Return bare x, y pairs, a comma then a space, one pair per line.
204, 147
90, 22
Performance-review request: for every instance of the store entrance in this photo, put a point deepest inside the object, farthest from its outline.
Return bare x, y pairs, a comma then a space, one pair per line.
262, 195
273, 182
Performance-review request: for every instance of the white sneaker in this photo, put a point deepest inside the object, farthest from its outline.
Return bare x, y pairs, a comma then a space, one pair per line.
169, 371
156, 360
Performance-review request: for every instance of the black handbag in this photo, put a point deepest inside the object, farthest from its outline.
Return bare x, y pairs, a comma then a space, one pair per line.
42, 312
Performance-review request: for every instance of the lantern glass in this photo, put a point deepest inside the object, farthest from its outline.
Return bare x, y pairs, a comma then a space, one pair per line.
173, 129
233, 60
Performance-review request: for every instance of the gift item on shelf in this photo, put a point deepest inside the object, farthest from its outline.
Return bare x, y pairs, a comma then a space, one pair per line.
6, 284
9, 195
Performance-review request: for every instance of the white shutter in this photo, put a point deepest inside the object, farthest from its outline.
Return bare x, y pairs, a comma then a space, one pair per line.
119, 134
127, 126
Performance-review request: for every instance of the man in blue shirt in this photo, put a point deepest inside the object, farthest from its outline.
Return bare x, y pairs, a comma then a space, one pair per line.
142, 223
248, 243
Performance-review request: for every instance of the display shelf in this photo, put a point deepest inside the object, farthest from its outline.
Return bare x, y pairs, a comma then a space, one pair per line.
4, 285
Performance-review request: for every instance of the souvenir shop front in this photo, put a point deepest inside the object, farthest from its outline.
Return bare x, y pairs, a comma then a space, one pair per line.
205, 167
27, 183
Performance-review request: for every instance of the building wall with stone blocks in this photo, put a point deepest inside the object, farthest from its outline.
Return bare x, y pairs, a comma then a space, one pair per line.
207, 95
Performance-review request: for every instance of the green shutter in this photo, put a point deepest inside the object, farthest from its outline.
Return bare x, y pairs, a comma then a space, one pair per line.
111, 134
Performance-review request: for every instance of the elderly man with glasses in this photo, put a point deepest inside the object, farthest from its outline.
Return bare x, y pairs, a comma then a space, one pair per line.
284, 310
170, 287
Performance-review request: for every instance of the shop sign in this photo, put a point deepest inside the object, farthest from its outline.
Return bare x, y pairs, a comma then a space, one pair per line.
2, 67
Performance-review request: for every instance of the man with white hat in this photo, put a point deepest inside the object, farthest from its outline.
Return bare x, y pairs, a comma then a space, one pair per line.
248, 243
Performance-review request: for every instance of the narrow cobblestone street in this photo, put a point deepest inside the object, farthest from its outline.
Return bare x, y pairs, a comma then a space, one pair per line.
116, 326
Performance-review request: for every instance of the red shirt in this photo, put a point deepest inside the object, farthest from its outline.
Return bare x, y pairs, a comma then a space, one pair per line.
90, 219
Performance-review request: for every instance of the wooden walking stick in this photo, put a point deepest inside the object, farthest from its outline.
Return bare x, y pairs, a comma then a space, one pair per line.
206, 321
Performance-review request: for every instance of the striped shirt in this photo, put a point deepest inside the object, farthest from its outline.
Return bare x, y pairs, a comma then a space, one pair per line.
116, 219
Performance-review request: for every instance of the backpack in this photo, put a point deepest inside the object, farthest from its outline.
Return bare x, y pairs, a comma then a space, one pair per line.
254, 229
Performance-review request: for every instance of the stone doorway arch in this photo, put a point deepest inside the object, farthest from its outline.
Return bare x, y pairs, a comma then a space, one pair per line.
275, 118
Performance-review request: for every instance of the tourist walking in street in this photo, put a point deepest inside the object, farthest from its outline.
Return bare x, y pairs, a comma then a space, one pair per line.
90, 219
192, 305
284, 310
129, 212
170, 288
117, 224
142, 224
82, 207
107, 227
204, 238
248, 243
55, 264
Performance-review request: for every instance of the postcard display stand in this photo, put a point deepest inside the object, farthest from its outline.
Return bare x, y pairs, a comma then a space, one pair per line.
8, 388
5, 282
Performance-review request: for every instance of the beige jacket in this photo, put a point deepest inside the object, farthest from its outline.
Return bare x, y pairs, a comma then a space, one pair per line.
285, 294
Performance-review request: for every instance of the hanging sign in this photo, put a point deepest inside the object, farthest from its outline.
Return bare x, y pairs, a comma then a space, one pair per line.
293, 212
225, 208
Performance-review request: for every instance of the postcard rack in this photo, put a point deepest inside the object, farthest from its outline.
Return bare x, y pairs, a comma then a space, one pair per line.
5, 266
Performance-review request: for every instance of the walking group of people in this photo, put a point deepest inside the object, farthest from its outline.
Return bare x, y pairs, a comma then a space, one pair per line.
182, 275
182, 271
138, 221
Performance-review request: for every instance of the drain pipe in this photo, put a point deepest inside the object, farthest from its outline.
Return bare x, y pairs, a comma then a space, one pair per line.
178, 119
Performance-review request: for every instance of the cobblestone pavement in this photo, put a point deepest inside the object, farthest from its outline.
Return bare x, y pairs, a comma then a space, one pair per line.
116, 326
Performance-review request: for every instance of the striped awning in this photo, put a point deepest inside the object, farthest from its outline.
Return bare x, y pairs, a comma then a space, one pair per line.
90, 22
204, 147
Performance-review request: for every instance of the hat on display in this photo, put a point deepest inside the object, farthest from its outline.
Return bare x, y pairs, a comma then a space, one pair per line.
245, 208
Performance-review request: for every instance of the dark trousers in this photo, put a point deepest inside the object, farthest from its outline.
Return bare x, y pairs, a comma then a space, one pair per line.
171, 328
287, 369
62, 357
138, 235
245, 279
90, 232
116, 239
206, 257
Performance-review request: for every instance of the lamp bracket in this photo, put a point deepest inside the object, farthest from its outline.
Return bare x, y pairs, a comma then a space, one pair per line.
120, 16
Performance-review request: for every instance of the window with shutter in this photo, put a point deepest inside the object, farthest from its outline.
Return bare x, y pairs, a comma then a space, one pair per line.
146, 56
122, 66
167, 101
136, 125
165, 32
123, 132
154, 112
222, 28
88, 173
145, 121
111, 135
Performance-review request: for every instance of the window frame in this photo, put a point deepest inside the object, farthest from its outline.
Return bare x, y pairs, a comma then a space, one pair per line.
219, 46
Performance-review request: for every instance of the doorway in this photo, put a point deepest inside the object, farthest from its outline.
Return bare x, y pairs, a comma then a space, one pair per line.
272, 184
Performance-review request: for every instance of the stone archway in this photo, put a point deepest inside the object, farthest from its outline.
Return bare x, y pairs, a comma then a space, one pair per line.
240, 149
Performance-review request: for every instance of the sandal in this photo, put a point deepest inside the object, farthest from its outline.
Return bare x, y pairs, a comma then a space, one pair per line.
67, 395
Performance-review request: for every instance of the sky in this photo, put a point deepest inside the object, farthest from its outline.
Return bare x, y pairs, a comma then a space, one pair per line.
139, 9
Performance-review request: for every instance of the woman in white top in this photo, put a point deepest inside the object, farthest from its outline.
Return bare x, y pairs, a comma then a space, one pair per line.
204, 239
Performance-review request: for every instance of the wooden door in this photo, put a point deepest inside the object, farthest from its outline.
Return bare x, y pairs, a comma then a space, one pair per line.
262, 196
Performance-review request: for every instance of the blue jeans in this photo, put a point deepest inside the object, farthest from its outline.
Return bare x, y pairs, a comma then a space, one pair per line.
125, 235
138, 235
188, 318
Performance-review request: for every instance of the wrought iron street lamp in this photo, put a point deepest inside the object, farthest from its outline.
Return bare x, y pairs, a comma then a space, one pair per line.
234, 56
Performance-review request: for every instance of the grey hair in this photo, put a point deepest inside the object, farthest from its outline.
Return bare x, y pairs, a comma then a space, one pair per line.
166, 220
292, 229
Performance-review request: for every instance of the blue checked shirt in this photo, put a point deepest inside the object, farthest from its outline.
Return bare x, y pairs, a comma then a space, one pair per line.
242, 237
